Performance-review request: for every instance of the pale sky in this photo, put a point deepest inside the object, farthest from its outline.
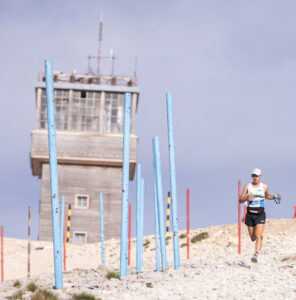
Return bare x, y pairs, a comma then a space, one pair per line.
230, 65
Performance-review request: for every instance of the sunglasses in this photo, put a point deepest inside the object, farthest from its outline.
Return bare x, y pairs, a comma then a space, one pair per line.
253, 175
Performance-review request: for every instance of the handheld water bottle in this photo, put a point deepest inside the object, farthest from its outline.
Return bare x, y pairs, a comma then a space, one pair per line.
277, 199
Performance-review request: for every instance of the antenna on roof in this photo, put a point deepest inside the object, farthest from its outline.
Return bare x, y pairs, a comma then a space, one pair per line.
135, 71
89, 68
100, 44
112, 57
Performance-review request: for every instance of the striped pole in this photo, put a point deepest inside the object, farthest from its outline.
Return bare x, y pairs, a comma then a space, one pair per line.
29, 243
62, 221
68, 226
102, 229
125, 184
188, 224
239, 217
142, 220
156, 152
129, 232
156, 216
65, 229
54, 182
138, 224
173, 181
168, 213
2, 255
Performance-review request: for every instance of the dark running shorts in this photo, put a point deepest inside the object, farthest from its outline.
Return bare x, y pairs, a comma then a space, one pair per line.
253, 219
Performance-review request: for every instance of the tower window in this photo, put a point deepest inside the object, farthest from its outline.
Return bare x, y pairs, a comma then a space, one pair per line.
61, 99
86, 111
80, 238
113, 118
82, 201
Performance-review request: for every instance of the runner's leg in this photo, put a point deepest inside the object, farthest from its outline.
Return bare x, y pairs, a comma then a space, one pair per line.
259, 228
251, 230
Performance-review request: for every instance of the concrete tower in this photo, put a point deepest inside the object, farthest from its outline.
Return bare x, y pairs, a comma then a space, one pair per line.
89, 127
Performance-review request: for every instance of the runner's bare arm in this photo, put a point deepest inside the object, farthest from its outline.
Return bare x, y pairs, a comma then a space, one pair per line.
268, 195
243, 198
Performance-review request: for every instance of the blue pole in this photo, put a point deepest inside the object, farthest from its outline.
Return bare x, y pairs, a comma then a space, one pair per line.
138, 229
62, 223
54, 186
102, 229
142, 219
160, 203
125, 184
173, 181
156, 213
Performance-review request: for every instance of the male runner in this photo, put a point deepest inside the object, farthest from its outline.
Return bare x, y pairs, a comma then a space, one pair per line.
255, 193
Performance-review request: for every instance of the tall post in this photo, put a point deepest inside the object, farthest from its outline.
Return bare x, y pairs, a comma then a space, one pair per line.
188, 224
173, 181
138, 224
239, 217
65, 230
168, 213
68, 226
2, 255
125, 184
102, 229
129, 232
142, 220
62, 222
29, 242
54, 185
160, 202
156, 215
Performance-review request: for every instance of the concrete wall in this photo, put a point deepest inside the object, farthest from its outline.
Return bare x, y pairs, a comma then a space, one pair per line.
91, 180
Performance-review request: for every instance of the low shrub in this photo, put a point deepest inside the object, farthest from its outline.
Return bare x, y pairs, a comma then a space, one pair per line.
84, 296
199, 237
182, 236
44, 295
17, 284
112, 275
31, 287
17, 295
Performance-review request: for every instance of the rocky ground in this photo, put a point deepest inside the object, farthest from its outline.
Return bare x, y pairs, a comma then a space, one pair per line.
214, 271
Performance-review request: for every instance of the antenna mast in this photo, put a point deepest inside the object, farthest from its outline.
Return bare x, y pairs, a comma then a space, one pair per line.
135, 71
100, 44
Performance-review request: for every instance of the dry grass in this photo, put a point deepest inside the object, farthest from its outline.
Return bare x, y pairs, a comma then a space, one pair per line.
112, 275
84, 296
44, 295
199, 237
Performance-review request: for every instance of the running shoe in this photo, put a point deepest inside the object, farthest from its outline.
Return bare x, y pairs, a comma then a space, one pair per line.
254, 259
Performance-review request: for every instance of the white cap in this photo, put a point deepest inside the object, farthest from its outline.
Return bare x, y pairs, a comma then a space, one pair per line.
257, 172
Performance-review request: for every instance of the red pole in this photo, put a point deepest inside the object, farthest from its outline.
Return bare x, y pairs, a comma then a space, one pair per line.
294, 212
2, 256
129, 232
64, 244
239, 216
188, 215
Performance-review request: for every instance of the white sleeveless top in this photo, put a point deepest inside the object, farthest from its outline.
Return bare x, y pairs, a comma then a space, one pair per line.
259, 195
